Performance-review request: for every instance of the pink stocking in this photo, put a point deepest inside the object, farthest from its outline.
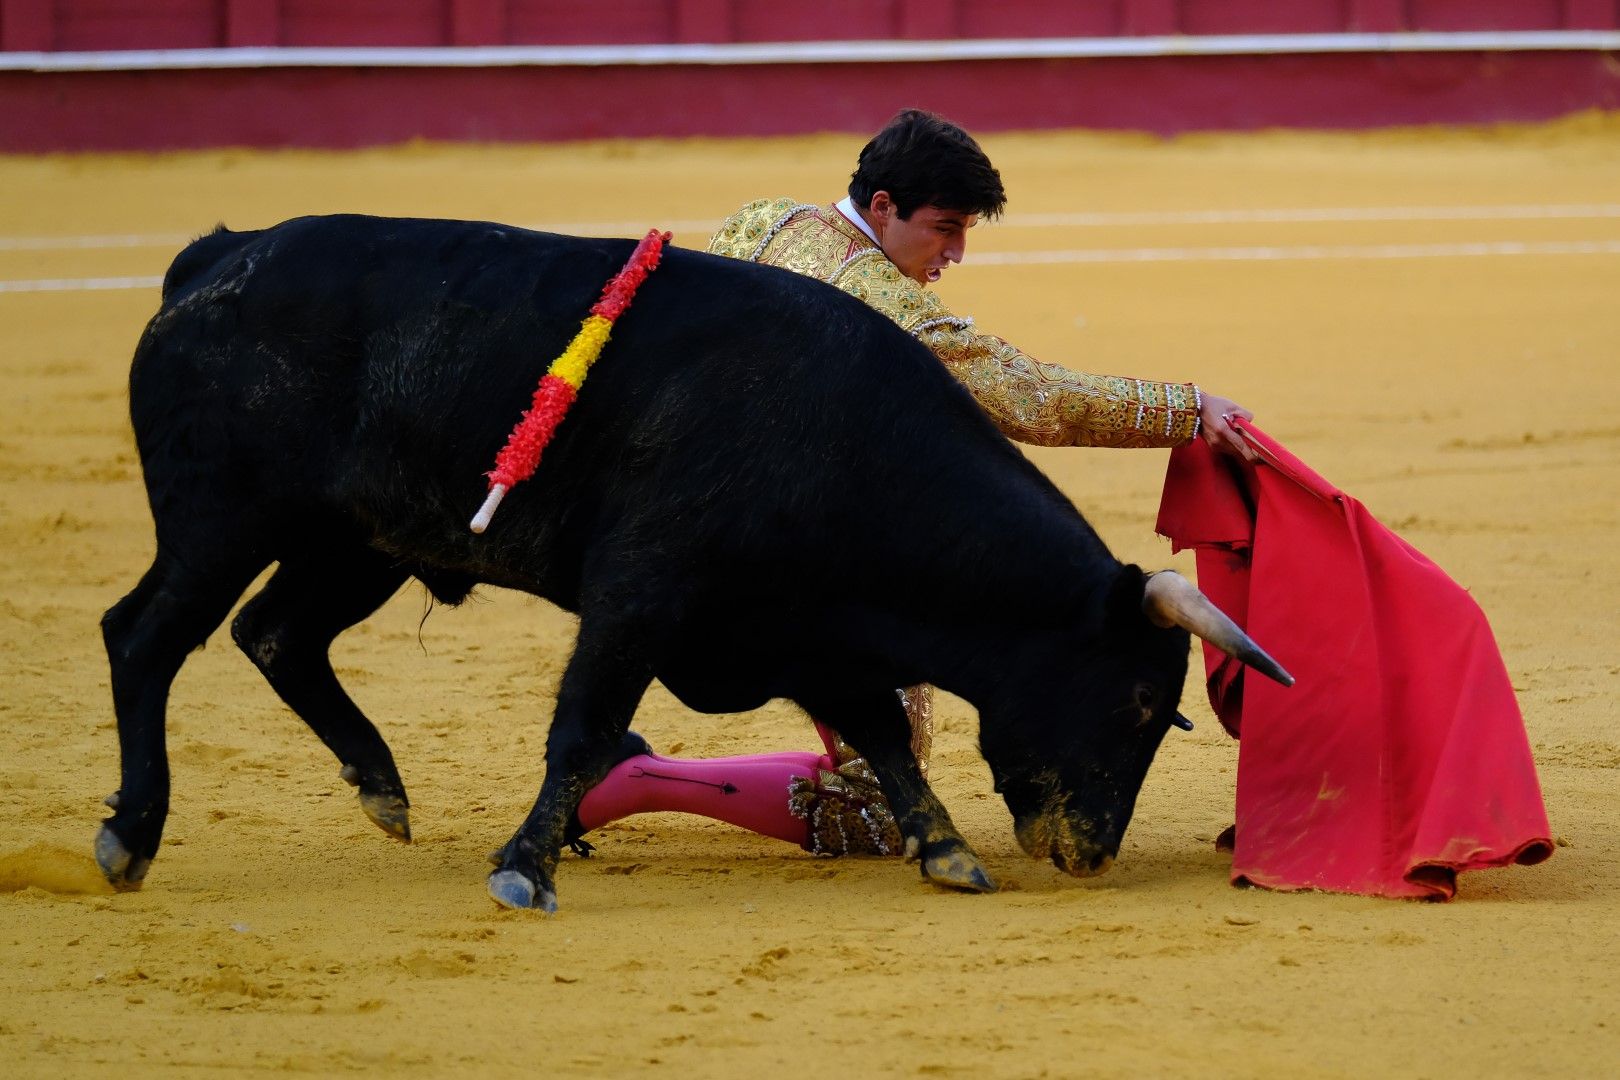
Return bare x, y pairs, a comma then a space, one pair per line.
751, 791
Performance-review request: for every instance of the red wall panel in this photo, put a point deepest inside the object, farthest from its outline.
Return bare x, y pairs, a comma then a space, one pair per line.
1485, 14
364, 22
833, 20
928, 19
252, 22
27, 25
1150, 17
590, 22
144, 110
1591, 14
340, 107
1375, 16
138, 24
703, 20
1263, 16
1041, 18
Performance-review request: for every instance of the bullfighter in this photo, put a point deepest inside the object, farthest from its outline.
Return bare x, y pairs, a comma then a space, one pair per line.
919, 186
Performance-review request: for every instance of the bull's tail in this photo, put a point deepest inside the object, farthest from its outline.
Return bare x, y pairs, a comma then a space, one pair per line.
200, 255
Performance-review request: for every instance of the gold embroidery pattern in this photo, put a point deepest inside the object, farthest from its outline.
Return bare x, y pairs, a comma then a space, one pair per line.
845, 808
846, 811
1046, 405
919, 705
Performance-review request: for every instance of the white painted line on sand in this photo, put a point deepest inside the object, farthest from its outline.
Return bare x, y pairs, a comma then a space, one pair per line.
1321, 214
1306, 251
80, 284
92, 243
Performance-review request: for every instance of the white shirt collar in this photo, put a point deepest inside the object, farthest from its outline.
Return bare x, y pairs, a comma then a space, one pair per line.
846, 206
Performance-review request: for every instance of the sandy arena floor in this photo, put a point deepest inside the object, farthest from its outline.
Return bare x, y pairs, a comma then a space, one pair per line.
1470, 394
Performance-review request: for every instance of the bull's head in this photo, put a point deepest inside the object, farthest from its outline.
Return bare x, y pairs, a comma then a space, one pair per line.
1071, 780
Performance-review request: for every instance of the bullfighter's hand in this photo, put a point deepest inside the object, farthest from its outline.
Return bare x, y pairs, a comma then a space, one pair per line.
1218, 414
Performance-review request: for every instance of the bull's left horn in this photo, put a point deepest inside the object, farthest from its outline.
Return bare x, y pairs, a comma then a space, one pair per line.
1171, 600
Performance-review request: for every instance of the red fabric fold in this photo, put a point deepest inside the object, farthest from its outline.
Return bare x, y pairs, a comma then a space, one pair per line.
1399, 758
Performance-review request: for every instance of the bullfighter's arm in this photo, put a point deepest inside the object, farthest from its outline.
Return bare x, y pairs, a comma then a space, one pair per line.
1048, 405
1031, 402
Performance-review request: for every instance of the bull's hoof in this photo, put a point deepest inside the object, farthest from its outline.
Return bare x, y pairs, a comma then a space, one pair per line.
510, 889
390, 813
122, 869
958, 869
946, 859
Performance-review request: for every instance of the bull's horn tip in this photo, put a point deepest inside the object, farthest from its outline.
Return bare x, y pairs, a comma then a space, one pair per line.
1276, 674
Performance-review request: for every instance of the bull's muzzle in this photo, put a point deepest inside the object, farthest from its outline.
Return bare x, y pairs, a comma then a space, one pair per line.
1067, 841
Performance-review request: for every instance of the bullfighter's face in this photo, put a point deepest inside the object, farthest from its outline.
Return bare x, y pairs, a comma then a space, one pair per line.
1071, 779
923, 245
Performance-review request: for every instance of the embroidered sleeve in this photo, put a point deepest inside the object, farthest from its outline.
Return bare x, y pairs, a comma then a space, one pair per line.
1031, 402
1047, 405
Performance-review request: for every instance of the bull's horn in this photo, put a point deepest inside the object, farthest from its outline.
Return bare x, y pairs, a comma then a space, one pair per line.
1172, 600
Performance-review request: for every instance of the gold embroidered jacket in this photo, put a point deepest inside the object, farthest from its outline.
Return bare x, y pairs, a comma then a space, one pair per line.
1029, 401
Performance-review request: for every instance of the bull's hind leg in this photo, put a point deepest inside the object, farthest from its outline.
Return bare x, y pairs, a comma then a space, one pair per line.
287, 630
605, 680
877, 726
149, 634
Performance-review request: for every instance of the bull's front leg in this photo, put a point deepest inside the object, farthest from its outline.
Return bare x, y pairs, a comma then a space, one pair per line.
605, 680
880, 730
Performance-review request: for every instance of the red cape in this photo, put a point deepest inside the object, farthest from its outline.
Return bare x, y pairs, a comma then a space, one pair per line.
1399, 758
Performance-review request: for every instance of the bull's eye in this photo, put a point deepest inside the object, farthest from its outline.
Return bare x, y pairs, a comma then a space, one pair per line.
1144, 699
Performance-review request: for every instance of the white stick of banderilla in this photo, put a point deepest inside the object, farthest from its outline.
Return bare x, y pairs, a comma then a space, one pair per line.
480, 520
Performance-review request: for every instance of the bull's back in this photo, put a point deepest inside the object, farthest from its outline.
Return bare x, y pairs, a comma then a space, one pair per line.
310, 326
370, 369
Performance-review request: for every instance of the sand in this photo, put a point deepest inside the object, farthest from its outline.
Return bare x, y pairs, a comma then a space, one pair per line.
1471, 400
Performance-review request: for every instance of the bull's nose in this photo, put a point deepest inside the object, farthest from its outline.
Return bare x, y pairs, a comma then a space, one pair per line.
1079, 864
1069, 844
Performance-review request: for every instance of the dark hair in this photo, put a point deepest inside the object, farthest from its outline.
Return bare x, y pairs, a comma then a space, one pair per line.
925, 160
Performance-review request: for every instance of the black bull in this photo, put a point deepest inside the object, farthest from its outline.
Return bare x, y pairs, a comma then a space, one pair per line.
765, 490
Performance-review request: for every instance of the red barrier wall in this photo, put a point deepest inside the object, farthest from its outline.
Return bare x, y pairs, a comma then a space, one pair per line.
193, 24
352, 106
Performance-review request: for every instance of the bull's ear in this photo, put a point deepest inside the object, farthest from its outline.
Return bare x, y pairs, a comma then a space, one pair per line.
1123, 607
